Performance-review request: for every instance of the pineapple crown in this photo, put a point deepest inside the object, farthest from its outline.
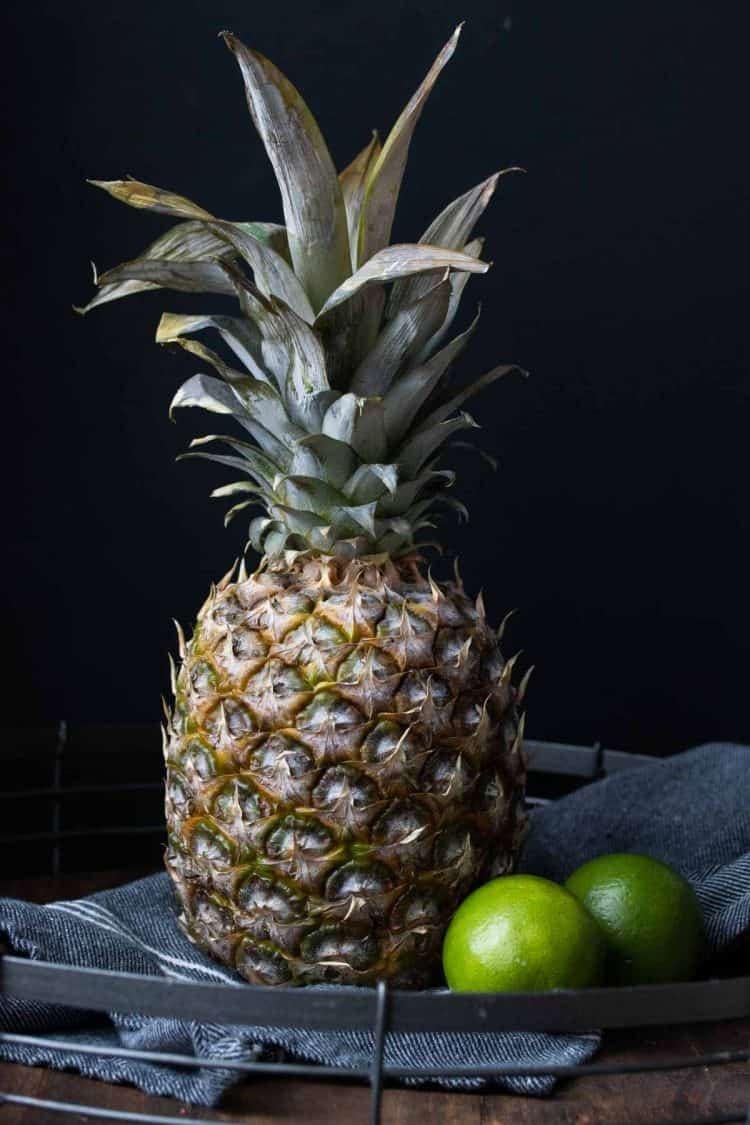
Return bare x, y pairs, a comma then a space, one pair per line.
342, 337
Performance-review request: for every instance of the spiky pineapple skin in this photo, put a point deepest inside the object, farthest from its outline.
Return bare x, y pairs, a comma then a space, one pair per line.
344, 764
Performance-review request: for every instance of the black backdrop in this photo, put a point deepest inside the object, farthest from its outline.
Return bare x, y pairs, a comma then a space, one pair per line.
617, 525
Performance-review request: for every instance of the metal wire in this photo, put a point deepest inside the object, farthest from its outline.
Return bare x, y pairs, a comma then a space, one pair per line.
388, 1073
82, 790
160, 1119
167, 1058
62, 738
600, 769
84, 833
95, 1111
378, 1049
722, 1119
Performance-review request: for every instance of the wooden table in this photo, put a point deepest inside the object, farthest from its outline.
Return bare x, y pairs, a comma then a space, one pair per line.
644, 1099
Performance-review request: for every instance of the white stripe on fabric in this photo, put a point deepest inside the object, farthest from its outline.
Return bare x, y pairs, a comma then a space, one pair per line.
75, 909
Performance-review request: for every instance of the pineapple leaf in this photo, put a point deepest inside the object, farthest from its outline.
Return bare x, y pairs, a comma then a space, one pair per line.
113, 293
191, 240
458, 284
297, 522
452, 228
239, 334
276, 539
232, 512
337, 458
459, 399
264, 469
454, 224
206, 392
219, 458
236, 487
369, 439
384, 181
458, 506
405, 398
291, 351
359, 423
259, 487
350, 332
347, 335
402, 337
340, 419
407, 493
398, 539
210, 393
481, 453
228, 374
322, 538
272, 275
370, 482
357, 518
308, 494
259, 528
353, 181
272, 234
310, 192
306, 462
149, 198
391, 524
185, 276
401, 260
424, 443
260, 399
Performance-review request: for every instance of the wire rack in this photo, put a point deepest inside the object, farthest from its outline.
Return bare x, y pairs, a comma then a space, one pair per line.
66, 758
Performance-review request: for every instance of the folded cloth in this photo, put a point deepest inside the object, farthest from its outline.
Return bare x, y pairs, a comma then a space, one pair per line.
692, 810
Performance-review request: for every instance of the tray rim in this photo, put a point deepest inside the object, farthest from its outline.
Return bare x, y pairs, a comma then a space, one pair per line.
334, 1007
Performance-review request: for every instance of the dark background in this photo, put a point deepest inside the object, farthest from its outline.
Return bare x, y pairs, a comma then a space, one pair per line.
617, 525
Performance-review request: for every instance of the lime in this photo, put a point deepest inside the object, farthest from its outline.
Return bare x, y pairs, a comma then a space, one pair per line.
521, 933
648, 913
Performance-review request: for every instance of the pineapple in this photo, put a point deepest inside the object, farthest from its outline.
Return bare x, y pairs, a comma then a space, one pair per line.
343, 757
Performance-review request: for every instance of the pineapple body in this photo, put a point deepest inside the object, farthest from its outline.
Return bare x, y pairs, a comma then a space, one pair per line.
343, 765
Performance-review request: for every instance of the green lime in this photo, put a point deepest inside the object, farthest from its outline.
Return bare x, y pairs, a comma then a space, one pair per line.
521, 933
649, 914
